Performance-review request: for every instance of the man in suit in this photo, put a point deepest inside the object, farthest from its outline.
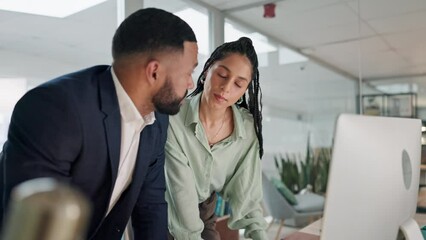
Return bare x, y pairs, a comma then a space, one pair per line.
103, 129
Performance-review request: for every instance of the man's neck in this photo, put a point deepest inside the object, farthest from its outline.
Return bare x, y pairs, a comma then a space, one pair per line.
137, 89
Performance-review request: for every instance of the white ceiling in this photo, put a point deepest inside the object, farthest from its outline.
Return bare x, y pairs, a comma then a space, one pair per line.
390, 34
385, 43
40, 47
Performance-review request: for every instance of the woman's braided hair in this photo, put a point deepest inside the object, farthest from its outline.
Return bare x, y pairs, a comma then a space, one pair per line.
243, 46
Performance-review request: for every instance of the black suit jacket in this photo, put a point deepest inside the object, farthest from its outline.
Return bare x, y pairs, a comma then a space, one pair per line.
70, 129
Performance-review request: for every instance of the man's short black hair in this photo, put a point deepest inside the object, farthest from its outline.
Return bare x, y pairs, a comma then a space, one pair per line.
150, 30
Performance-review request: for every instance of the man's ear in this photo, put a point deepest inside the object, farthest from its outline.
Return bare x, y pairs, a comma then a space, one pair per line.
152, 71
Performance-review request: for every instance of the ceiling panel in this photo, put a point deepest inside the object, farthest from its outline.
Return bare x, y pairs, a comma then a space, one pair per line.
318, 26
400, 23
384, 64
369, 45
410, 45
330, 15
415, 40
345, 55
296, 7
318, 37
378, 9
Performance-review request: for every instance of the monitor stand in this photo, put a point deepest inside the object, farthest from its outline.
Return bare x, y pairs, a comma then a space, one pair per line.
411, 230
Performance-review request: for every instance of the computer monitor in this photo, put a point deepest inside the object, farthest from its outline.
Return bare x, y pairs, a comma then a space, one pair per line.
373, 179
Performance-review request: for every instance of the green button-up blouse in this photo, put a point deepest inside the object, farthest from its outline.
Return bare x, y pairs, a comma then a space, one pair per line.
194, 171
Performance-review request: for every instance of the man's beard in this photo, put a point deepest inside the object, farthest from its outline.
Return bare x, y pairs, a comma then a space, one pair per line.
166, 101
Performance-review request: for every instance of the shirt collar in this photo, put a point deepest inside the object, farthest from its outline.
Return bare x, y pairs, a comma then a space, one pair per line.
239, 122
129, 112
192, 116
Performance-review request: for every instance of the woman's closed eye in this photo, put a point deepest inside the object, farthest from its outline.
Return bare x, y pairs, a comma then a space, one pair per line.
222, 75
241, 83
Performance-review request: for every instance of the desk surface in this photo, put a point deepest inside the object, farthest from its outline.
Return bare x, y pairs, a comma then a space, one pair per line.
312, 231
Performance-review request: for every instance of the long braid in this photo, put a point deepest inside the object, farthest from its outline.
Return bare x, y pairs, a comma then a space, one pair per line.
244, 47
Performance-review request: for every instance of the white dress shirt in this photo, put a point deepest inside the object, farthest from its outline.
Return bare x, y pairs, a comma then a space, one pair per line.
132, 124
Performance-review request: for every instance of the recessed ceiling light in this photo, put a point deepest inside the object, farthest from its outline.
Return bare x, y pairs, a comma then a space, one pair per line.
51, 8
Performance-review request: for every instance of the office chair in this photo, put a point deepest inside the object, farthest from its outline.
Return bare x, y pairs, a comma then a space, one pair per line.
309, 206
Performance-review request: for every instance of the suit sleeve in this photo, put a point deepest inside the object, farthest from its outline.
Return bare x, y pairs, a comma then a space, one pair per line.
44, 139
149, 218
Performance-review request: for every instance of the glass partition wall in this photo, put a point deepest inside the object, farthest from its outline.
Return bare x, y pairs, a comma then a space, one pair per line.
302, 96
329, 57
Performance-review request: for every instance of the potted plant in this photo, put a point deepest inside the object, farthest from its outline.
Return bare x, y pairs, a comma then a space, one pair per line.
310, 173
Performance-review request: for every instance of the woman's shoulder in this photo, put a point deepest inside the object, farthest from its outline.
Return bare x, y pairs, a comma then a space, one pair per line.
245, 122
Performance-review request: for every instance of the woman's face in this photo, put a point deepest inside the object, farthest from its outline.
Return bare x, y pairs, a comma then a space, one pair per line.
227, 80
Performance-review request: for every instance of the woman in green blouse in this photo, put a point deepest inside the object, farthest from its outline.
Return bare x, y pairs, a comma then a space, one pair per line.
215, 143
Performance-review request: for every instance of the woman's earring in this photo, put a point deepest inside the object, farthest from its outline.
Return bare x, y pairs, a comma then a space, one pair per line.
240, 100
203, 78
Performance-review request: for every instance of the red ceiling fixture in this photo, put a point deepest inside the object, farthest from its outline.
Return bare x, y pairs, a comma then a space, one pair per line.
269, 10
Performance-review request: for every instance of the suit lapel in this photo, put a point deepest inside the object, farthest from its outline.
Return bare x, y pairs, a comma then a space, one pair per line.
146, 150
112, 120
125, 204
113, 132
145, 155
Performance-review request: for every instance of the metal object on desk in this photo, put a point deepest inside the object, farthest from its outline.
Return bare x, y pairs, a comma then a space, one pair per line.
43, 209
